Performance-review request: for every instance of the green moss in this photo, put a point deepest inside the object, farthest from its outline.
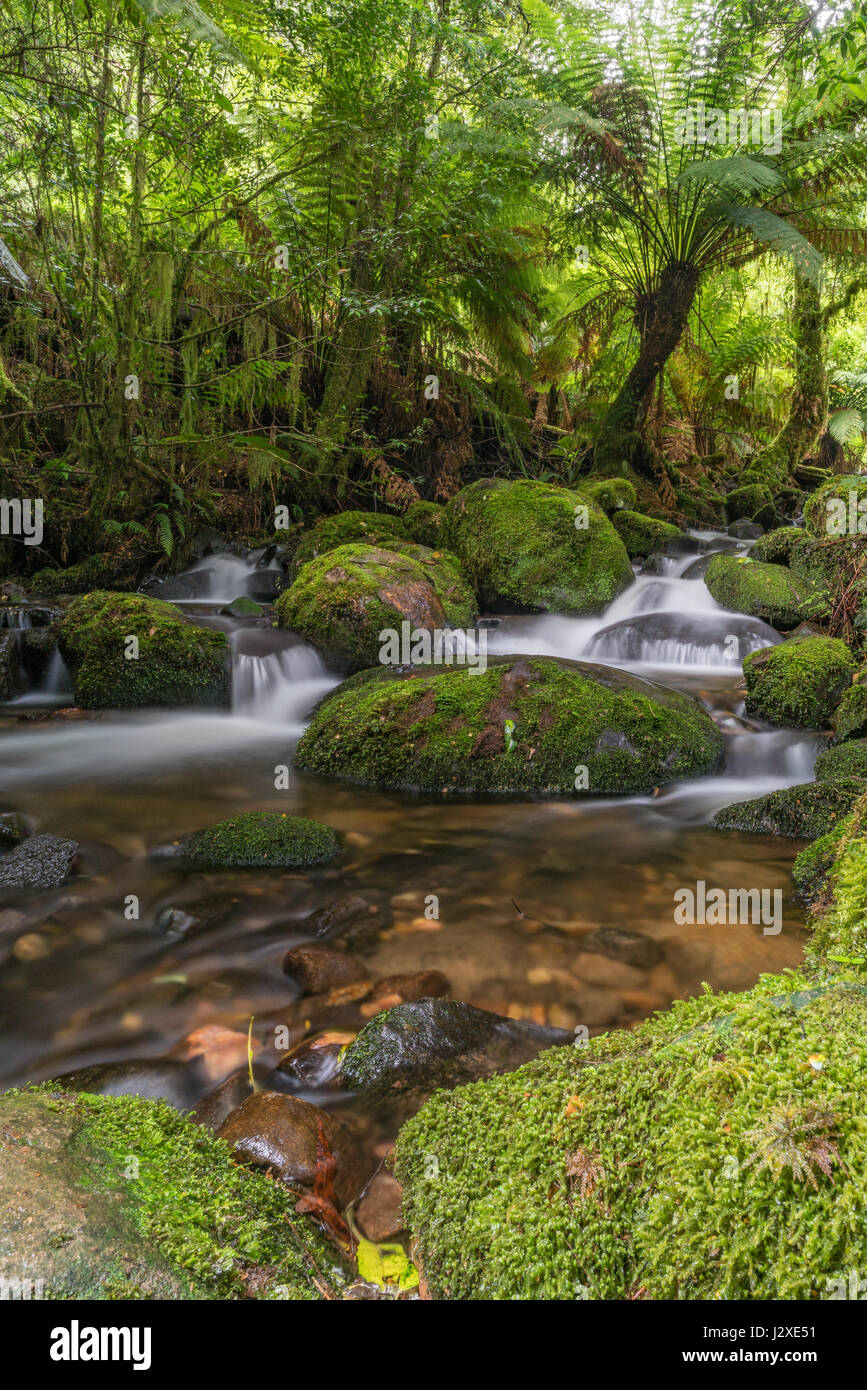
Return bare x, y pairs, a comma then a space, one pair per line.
775, 547
839, 940
850, 718
259, 838
678, 1161
447, 730
744, 502
643, 534
805, 812
520, 547
814, 863
843, 760
214, 1223
610, 493
343, 600
769, 592
423, 522
800, 682
178, 663
830, 504
329, 532
96, 572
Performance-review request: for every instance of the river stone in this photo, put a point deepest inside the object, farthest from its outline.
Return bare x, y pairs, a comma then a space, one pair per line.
524, 725
627, 946
261, 839
315, 968
44, 861
215, 1108
280, 1132
177, 1083
799, 683
312, 1065
379, 1212
12, 680
243, 608
340, 918
13, 829
418, 1046
804, 812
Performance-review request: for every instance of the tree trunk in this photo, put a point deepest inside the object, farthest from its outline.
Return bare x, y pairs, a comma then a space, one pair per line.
660, 318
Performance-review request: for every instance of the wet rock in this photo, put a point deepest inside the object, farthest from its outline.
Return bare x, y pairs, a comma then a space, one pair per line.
691, 638
804, 812
746, 530
312, 1065
243, 607
12, 678
404, 989
280, 1132
627, 946
263, 586
316, 969
379, 1213
347, 918
44, 861
13, 829
595, 969
439, 1042
215, 1108
178, 1083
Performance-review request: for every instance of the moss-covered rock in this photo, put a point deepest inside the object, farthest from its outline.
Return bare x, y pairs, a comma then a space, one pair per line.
804, 812
260, 839
799, 682
611, 494
178, 663
96, 572
346, 528
843, 760
833, 509
775, 547
521, 547
423, 523
838, 880
744, 502
122, 1198
769, 592
344, 600
671, 1162
850, 716
525, 725
643, 534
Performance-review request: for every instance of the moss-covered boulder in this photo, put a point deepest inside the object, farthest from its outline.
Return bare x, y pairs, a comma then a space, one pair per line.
835, 509
804, 812
423, 523
843, 760
534, 725
769, 592
342, 601
671, 1162
611, 494
260, 839
775, 547
799, 682
121, 1198
96, 572
346, 528
171, 661
850, 716
742, 503
536, 547
643, 534
836, 880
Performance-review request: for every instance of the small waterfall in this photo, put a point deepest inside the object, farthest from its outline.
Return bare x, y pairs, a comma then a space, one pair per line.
716, 640
222, 578
276, 678
55, 687
18, 619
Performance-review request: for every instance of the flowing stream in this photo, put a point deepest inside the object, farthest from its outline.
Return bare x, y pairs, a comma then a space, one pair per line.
519, 884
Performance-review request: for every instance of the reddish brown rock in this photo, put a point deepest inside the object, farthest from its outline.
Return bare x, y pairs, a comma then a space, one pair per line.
280, 1132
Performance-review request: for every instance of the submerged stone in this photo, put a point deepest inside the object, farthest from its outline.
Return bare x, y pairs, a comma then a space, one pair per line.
43, 861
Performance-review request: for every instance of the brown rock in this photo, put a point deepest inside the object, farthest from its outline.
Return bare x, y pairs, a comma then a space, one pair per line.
627, 946
593, 969
318, 969
401, 989
216, 1107
280, 1132
379, 1212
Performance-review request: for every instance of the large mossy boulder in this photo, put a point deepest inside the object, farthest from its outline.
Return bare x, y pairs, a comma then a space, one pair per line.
843, 760
838, 507
743, 503
775, 548
177, 663
611, 494
803, 812
343, 601
769, 592
525, 725
525, 546
121, 1198
347, 528
423, 522
674, 1161
799, 682
643, 534
261, 839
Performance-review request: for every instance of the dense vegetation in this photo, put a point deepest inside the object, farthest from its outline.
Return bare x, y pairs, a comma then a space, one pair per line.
362, 251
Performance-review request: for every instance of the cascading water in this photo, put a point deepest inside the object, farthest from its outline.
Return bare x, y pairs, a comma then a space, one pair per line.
276, 678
